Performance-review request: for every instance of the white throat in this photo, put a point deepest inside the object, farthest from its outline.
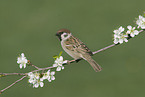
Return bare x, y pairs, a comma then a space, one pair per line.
65, 36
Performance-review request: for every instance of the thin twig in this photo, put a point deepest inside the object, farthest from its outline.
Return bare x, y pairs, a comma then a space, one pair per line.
5, 74
35, 66
104, 48
12, 84
29, 63
41, 69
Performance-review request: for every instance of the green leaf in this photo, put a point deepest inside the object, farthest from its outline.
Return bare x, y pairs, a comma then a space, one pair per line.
55, 56
1, 75
60, 53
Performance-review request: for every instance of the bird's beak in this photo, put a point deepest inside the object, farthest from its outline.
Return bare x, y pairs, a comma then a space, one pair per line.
58, 35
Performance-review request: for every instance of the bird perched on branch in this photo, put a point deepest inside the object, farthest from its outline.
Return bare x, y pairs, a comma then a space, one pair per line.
76, 48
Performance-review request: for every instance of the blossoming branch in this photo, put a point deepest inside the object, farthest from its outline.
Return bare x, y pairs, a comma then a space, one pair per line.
37, 77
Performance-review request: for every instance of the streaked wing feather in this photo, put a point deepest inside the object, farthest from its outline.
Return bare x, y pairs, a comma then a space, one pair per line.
81, 47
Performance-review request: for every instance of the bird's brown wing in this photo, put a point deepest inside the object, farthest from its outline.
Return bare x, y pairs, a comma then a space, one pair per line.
76, 45
86, 52
81, 47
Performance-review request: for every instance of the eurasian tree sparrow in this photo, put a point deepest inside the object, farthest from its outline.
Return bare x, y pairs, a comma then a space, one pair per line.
76, 49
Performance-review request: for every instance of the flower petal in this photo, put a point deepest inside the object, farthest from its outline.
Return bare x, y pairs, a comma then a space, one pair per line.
55, 65
21, 66
120, 41
41, 84
24, 65
22, 55
30, 80
61, 58
132, 35
115, 41
41, 79
49, 80
52, 78
125, 40
62, 67
65, 61
52, 73
129, 27
128, 32
36, 85
58, 69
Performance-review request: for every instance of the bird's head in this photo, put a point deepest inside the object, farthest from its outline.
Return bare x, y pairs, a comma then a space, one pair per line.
63, 34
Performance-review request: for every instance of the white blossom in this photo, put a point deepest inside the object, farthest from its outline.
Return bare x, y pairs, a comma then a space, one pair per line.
58, 63
118, 32
36, 75
45, 76
38, 83
121, 29
141, 22
119, 36
34, 78
49, 75
52, 77
132, 31
22, 61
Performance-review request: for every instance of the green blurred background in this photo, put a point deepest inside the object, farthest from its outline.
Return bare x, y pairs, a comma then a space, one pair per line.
29, 26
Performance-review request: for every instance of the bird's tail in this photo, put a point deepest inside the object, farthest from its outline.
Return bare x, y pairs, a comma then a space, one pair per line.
93, 63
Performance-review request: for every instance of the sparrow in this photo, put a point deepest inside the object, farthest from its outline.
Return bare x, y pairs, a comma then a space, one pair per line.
76, 48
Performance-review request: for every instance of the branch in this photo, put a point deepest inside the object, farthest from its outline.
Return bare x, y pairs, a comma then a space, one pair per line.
69, 62
12, 84
29, 63
103, 49
42, 69
5, 74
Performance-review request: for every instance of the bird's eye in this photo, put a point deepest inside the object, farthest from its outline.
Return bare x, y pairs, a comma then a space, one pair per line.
65, 34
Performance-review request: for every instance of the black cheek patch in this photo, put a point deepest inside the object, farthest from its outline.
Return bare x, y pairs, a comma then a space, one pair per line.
59, 38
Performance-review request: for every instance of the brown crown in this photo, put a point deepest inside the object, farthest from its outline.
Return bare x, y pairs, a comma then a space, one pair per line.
63, 30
